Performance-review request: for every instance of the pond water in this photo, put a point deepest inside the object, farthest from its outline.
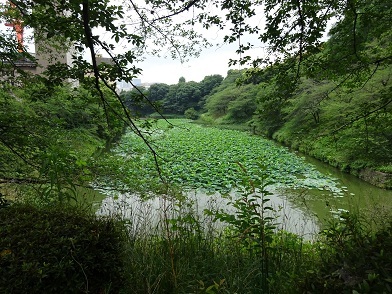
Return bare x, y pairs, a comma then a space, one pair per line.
303, 210
356, 195
146, 215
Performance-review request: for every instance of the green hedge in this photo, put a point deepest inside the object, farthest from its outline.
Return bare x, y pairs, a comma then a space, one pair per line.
59, 250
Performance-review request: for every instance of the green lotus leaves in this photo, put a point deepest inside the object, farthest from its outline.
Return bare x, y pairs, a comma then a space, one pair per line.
195, 157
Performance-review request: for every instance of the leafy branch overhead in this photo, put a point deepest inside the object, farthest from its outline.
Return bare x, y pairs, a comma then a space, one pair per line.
284, 28
266, 32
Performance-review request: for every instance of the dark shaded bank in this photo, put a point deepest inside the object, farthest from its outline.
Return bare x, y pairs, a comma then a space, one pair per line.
377, 178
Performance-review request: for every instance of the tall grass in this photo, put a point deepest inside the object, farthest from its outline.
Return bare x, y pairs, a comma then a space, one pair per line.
179, 245
190, 255
180, 249
174, 248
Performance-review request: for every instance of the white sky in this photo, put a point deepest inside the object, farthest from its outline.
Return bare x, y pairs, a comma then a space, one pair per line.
211, 61
169, 71
166, 70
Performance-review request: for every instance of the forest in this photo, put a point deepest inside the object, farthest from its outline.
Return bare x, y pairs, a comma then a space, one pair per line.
69, 141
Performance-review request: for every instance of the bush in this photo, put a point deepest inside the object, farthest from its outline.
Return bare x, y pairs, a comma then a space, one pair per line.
191, 113
355, 258
58, 250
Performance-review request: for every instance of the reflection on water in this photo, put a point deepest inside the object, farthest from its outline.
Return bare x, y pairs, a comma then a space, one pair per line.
299, 211
146, 215
355, 195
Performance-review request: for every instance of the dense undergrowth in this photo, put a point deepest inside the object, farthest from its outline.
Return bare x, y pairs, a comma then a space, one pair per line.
60, 249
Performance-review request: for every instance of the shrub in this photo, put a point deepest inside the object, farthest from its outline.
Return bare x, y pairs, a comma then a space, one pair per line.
58, 250
191, 113
355, 258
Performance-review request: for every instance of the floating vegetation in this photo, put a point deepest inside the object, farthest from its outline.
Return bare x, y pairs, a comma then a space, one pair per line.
338, 213
195, 157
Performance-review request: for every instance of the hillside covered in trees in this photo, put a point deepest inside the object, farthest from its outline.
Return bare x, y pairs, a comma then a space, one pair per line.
350, 129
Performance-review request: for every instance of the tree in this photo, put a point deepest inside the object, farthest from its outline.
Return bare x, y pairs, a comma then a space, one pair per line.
218, 103
292, 29
158, 92
40, 135
207, 85
32, 123
182, 96
139, 105
189, 95
292, 33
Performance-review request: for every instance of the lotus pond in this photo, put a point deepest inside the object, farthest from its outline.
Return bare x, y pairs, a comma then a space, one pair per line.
204, 162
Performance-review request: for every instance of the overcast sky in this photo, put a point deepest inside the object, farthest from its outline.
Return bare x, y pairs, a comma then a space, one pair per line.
166, 70
211, 61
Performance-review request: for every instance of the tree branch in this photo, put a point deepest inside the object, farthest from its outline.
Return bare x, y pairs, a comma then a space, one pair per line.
361, 117
183, 9
125, 73
151, 23
302, 28
21, 181
98, 77
24, 159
